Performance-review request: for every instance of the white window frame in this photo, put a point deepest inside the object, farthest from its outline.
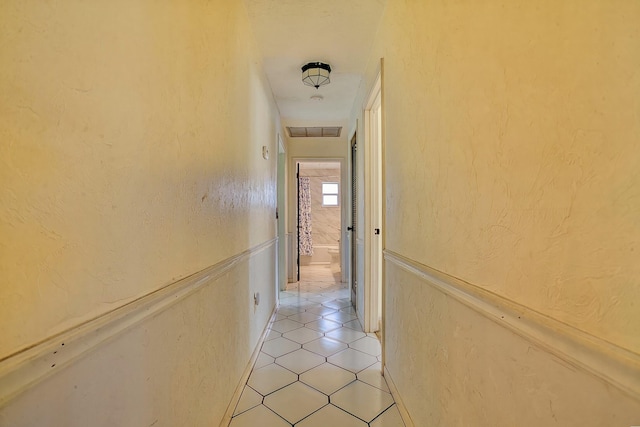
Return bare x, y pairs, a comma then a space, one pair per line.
336, 194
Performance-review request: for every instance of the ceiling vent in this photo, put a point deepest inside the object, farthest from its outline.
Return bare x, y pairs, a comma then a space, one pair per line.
314, 132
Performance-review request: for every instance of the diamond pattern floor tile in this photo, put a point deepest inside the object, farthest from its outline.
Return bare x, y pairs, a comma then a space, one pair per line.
389, 418
362, 400
345, 335
300, 361
304, 317
325, 346
353, 360
285, 325
331, 416
271, 378
313, 371
279, 347
295, 402
302, 335
340, 317
355, 325
323, 325
249, 399
258, 416
367, 345
373, 376
263, 360
327, 378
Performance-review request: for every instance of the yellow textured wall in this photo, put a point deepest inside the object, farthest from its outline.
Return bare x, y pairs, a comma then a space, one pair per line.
512, 152
512, 163
130, 154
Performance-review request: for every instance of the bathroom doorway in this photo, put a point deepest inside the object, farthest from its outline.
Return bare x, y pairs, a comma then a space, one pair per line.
319, 224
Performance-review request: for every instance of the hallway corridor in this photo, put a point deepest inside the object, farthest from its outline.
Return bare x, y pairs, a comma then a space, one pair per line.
316, 366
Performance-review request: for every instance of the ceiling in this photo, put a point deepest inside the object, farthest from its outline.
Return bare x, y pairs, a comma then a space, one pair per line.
291, 33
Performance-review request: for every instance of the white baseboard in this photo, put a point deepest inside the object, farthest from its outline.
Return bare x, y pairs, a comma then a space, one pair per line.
406, 418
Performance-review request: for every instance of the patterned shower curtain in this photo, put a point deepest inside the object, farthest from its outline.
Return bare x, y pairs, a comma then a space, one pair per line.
304, 195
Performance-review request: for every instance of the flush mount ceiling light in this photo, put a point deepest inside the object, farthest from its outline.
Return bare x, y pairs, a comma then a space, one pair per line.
316, 74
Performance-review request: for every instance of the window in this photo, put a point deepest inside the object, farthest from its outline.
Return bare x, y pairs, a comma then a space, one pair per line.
330, 191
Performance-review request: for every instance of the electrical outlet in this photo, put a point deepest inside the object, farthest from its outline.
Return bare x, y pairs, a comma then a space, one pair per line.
256, 298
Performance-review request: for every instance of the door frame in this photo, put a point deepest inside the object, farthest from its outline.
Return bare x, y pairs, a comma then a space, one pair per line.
344, 207
374, 207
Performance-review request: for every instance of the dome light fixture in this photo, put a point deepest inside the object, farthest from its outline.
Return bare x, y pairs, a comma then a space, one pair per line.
316, 74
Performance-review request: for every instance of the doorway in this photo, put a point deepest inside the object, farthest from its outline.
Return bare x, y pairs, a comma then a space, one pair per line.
319, 218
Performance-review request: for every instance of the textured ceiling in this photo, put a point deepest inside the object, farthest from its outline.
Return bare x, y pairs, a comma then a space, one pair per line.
291, 33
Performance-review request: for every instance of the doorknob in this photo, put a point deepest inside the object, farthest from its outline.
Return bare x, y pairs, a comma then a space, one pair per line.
349, 228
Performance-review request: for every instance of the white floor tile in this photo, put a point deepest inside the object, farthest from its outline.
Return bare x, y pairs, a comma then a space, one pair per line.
288, 311
270, 378
249, 399
295, 402
302, 335
285, 325
272, 335
346, 335
279, 347
263, 360
325, 346
327, 378
362, 400
355, 325
304, 317
340, 316
367, 345
258, 416
300, 361
323, 325
353, 360
337, 304
322, 311
389, 418
373, 376
331, 416
350, 310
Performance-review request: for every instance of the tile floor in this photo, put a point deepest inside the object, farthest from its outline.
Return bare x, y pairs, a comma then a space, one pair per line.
316, 366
